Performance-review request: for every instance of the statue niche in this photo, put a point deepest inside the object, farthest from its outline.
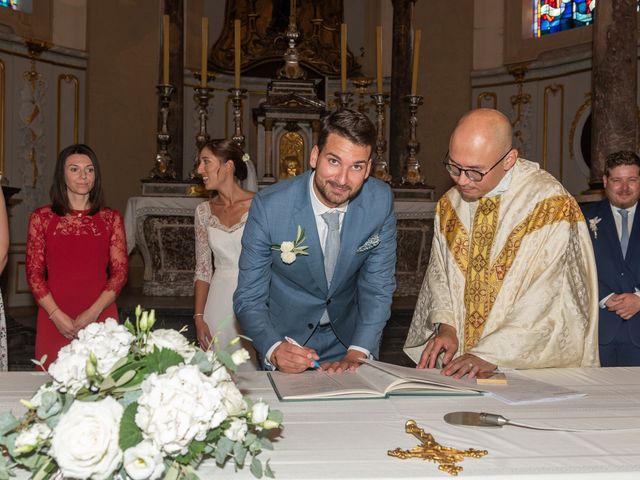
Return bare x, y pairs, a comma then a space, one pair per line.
291, 155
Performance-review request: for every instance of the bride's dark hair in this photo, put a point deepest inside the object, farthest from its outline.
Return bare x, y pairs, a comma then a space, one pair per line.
228, 150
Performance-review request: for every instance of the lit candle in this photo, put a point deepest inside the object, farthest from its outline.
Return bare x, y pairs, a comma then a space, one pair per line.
165, 49
205, 48
343, 57
379, 59
236, 43
416, 61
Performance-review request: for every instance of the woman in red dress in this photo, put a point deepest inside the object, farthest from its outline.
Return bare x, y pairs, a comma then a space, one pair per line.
76, 258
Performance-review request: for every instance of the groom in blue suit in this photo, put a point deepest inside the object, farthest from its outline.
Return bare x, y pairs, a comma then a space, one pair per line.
614, 227
317, 268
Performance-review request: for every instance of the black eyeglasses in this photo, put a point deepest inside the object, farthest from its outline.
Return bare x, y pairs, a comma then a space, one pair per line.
473, 175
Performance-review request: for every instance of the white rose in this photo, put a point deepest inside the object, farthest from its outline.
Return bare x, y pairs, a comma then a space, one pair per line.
232, 399
240, 356
286, 247
85, 441
237, 430
179, 406
29, 439
143, 461
171, 339
259, 412
288, 257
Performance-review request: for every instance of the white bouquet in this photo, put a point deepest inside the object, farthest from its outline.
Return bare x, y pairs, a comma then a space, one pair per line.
131, 403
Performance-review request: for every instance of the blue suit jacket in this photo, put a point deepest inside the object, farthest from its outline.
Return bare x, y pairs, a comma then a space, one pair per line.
274, 299
615, 273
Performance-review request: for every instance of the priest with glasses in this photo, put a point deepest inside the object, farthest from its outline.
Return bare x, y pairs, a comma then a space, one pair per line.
512, 279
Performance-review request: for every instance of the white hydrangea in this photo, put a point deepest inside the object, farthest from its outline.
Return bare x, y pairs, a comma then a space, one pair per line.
236, 430
232, 398
179, 406
171, 339
109, 342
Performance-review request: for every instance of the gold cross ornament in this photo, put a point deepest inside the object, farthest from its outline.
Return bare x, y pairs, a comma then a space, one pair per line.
446, 457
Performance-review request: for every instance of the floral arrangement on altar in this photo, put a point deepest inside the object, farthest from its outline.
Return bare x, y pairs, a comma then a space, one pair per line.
129, 402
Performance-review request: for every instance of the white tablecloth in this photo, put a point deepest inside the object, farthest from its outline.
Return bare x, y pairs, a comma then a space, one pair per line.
349, 439
142, 206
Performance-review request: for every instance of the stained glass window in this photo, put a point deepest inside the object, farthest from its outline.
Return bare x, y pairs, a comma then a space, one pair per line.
20, 5
550, 16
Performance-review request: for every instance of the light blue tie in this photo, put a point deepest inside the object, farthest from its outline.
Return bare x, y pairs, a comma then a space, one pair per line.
624, 236
331, 249
331, 243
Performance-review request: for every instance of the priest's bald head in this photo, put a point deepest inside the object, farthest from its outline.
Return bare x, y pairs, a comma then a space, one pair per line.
480, 152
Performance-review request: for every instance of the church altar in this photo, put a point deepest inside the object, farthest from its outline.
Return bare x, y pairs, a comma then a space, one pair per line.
349, 439
162, 230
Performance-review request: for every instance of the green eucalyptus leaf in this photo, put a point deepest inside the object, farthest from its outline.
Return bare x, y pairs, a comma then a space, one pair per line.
265, 443
172, 472
7, 422
130, 433
224, 447
200, 360
129, 397
276, 416
225, 359
239, 453
267, 470
256, 468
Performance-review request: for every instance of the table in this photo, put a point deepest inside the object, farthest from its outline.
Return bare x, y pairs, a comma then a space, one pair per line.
349, 439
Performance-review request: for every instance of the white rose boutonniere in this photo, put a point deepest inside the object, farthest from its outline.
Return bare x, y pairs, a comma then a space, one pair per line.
593, 225
289, 251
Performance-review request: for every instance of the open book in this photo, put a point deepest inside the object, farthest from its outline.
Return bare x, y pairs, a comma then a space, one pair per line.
378, 380
372, 380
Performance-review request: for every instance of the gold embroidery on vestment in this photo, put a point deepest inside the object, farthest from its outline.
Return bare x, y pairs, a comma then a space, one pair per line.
472, 255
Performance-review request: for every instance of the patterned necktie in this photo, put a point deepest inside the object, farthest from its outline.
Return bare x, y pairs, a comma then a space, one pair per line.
624, 236
332, 242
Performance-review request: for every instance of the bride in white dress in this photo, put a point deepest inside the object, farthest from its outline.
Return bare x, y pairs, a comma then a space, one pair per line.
219, 223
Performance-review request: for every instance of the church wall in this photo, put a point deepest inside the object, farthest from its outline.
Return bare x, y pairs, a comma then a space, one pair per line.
42, 107
446, 62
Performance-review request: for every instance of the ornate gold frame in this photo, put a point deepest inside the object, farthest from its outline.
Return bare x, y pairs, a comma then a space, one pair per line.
487, 96
68, 78
553, 90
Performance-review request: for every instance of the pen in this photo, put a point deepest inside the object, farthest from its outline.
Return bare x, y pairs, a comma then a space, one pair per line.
293, 342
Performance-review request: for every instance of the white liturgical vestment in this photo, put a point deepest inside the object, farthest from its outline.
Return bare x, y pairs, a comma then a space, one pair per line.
514, 274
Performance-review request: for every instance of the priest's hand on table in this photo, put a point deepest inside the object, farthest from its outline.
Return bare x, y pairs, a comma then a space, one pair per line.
467, 364
350, 362
446, 340
290, 358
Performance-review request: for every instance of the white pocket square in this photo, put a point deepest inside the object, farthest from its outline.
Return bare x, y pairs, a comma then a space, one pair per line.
371, 242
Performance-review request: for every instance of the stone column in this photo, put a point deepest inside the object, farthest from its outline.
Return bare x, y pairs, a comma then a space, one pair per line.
175, 10
268, 147
614, 113
402, 51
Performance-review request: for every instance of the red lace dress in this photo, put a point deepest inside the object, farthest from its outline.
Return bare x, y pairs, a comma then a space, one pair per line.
75, 258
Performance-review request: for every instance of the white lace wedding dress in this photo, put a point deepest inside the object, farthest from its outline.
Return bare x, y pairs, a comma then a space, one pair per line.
222, 276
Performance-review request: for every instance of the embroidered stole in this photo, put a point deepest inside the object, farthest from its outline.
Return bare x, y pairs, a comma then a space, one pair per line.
472, 254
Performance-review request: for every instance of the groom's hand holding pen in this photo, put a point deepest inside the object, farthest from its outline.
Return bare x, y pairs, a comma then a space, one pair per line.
291, 357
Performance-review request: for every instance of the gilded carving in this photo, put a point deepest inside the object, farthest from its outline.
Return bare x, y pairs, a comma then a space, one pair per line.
291, 155
263, 40
487, 96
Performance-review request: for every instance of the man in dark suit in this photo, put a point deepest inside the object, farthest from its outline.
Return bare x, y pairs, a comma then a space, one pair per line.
614, 227
317, 269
